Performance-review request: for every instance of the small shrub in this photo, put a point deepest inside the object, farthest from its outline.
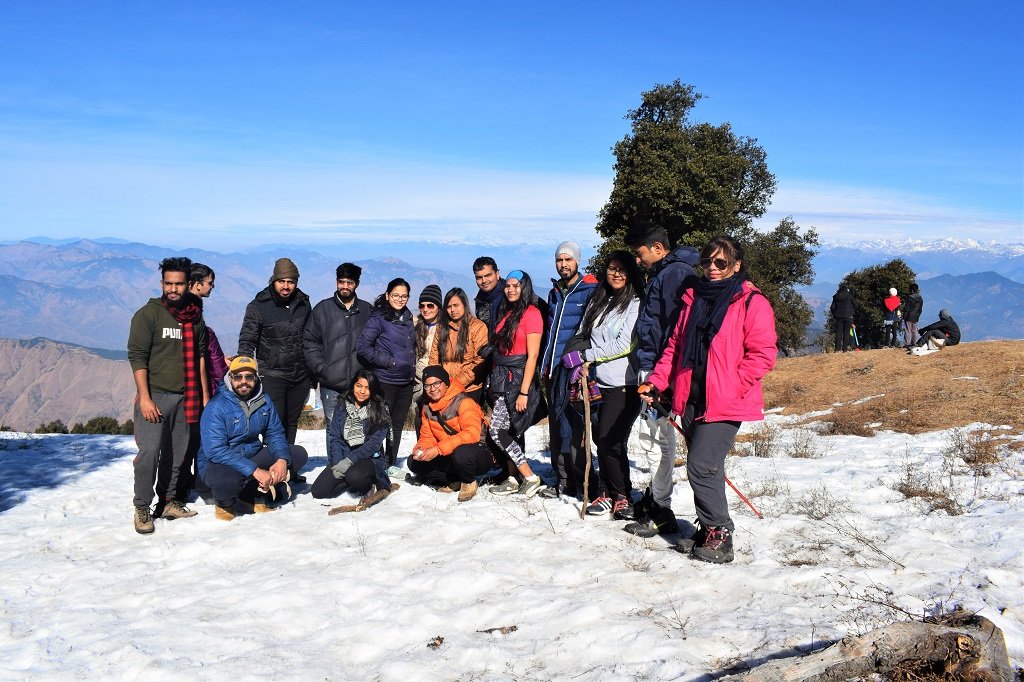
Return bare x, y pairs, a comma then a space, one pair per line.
850, 420
128, 428
978, 449
925, 486
765, 441
803, 445
56, 426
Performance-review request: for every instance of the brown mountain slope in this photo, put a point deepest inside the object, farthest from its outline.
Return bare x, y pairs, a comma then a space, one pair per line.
888, 389
42, 380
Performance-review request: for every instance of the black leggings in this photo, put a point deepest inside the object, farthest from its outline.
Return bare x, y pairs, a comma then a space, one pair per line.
398, 398
359, 478
464, 464
619, 408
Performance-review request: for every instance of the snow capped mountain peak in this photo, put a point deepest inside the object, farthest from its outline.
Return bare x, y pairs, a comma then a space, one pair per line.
895, 247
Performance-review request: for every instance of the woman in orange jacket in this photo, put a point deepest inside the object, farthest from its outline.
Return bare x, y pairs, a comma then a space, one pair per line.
458, 341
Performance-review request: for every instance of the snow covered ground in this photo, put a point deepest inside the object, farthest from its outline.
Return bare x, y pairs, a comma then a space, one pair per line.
299, 595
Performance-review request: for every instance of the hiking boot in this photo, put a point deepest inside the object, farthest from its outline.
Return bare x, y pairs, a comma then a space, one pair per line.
449, 487
507, 488
660, 521
599, 507
530, 486
468, 491
622, 510
549, 493
686, 545
716, 547
143, 520
223, 513
174, 509
678, 462
257, 506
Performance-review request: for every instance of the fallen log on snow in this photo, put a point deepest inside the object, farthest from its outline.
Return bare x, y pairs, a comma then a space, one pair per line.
960, 647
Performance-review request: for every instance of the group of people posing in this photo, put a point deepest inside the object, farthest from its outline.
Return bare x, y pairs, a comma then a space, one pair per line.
658, 333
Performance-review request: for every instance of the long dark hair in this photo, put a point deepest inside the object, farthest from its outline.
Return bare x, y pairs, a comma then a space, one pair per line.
381, 304
422, 328
444, 328
604, 299
376, 408
731, 248
503, 339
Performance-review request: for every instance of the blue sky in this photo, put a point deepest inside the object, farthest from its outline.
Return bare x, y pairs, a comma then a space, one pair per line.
224, 123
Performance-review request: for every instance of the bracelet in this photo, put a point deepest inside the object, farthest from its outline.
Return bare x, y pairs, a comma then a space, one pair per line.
527, 395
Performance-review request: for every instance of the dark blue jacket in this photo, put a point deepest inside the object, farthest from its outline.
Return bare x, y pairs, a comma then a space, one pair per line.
230, 431
565, 311
488, 305
387, 345
668, 279
372, 448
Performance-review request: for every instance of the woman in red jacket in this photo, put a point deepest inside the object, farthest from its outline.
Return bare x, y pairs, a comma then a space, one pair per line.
723, 344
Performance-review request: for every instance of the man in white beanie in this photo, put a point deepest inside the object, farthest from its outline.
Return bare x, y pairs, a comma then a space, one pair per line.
567, 302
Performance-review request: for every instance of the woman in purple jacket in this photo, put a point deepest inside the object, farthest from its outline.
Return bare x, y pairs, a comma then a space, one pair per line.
723, 344
387, 345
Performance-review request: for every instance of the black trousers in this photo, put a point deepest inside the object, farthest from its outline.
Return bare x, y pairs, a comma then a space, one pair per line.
359, 478
288, 397
620, 406
464, 464
398, 398
844, 339
229, 484
576, 464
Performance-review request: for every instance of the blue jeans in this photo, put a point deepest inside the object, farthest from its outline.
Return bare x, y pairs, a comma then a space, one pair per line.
329, 400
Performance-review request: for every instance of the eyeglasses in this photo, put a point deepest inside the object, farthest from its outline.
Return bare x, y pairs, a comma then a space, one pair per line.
428, 306
612, 270
431, 386
243, 376
399, 297
719, 263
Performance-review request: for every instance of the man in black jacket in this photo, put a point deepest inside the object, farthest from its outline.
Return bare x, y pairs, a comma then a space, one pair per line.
329, 341
937, 335
912, 308
842, 318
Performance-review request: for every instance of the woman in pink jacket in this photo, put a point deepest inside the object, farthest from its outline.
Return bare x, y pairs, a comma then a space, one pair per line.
723, 344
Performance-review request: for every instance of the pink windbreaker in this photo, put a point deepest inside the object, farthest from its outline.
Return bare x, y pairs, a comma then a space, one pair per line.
742, 352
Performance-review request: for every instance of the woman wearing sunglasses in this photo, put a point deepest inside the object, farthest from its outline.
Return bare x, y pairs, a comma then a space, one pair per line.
426, 330
387, 346
458, 341
723, 344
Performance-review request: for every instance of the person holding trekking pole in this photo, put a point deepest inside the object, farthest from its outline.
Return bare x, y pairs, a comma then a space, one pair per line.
723, 344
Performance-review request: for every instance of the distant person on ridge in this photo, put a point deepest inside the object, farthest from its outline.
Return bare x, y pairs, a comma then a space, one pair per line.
330, 337
912, 309
938, 335
842, 310
669, 273
891, 320
244, 457
272, 332
165, 350
567, 300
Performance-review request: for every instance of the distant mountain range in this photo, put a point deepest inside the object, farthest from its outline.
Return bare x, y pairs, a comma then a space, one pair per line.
85, 291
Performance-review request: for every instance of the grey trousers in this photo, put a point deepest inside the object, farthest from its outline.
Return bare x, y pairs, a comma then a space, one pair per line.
705, 467
163, 447
658, 442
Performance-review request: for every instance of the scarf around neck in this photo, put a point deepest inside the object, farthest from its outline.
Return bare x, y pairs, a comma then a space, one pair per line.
187, 315
711, 300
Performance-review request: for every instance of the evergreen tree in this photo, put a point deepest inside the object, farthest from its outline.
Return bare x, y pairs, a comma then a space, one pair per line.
870, 287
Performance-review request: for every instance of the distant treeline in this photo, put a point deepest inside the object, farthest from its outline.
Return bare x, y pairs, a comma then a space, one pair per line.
97, 425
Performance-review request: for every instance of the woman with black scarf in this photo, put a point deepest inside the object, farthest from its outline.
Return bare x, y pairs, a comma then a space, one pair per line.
723, 344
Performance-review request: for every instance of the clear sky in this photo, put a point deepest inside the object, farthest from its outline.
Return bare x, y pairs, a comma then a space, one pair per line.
225, 123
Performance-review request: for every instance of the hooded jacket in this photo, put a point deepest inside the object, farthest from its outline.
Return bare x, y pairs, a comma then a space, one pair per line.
471, 372
613, 347
230, 431
842, 304
154, 344
565, 311
912, 307
948, 326
387, 345
272, 333
740, 354
668, 278
465, 420
330, 338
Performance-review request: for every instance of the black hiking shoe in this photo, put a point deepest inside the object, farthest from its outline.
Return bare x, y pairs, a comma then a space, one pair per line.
622, 510
716, 547
686, 545
661, 521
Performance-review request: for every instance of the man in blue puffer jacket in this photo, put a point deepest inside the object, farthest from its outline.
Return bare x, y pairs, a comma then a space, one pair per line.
233, 460
566, 302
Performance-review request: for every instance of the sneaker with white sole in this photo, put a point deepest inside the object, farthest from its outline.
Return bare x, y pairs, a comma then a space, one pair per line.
601, 506
530, 486
507, 488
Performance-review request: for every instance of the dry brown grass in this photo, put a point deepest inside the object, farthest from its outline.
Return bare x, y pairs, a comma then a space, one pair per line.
972, 382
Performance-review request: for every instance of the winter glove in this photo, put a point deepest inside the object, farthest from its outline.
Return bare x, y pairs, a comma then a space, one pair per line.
577, 373
341, 467
648, 389
571, 360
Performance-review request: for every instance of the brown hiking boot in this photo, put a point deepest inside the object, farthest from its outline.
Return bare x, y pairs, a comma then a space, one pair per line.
468, 491
224, 513
174, 509
259, 506
143, 520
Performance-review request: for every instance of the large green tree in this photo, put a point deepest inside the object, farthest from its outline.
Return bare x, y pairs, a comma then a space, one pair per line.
870, 287
699, 180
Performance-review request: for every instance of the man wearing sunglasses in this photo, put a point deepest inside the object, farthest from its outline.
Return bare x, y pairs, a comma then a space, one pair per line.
669, 272
244, 454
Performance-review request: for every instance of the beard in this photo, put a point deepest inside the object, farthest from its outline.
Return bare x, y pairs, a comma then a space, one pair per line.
179, 304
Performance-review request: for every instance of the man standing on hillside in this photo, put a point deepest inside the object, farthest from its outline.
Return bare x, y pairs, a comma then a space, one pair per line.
165, 349
567, 302
329, 340
842, 310
670, 272
491, 290
912, 309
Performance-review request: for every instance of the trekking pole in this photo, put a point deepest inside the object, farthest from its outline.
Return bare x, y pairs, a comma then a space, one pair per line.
664, 413
585, 391
856, 341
